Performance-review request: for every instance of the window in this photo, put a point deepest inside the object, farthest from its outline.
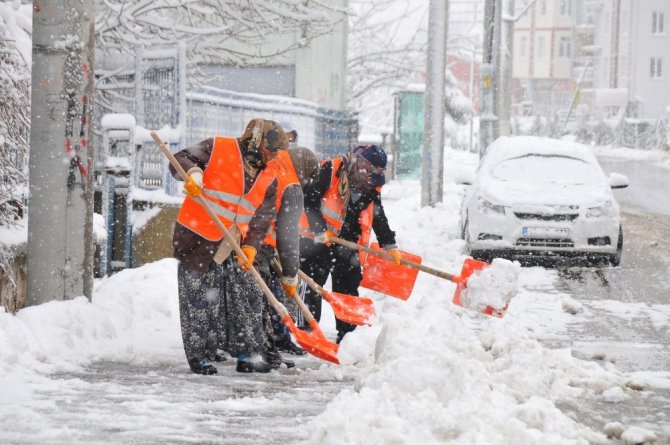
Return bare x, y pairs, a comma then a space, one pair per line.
564, 47
543, 7
566, 7
657, 25
656, 68
540, 47
523, 43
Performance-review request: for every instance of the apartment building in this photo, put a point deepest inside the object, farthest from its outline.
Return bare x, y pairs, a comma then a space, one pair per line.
543, 58
630, 57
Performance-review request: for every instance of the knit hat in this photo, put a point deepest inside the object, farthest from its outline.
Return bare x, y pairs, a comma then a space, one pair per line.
373, 153
304, 162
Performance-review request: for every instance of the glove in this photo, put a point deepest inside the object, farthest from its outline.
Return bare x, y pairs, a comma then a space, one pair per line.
290, 285
395, 254
324, 238
250, 253
193, 184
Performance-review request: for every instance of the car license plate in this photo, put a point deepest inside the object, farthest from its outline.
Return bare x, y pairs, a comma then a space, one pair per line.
545, 232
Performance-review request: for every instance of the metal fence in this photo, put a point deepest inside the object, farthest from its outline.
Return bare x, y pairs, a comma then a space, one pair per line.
155, 102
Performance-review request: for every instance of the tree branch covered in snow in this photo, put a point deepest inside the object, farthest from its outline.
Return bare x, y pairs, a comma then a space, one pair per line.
14, 116
387, 52
382, 52
15, 58
211, 28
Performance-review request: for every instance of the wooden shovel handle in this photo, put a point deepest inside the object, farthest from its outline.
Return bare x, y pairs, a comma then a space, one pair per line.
281, 310
379, 253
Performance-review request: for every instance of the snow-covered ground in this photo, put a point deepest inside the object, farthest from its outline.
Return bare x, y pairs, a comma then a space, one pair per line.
425, 372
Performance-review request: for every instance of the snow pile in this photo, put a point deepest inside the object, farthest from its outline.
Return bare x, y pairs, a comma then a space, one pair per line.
133, 317
426, 375
492, 286
432, 379
636, 435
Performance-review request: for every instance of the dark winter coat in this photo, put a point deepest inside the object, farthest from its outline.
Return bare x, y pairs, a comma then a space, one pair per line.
351, 228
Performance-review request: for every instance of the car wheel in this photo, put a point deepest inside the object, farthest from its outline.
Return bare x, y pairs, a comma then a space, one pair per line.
615, 259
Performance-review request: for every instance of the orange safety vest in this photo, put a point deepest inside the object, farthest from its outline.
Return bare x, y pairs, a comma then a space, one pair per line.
333, 211
286, 176
223, 188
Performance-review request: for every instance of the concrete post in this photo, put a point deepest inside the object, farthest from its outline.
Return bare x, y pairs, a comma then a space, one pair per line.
490, 71
433, 131
60, 165
506, 66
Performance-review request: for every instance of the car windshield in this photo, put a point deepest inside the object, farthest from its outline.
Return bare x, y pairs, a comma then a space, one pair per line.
538, 169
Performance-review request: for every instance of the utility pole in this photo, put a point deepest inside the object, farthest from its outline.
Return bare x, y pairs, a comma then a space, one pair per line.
433, 130
504, 111
490, 74
60, 214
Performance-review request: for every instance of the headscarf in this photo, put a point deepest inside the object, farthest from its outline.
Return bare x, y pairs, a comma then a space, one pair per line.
260, 138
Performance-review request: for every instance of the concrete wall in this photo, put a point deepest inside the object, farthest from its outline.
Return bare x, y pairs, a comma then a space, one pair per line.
153, 241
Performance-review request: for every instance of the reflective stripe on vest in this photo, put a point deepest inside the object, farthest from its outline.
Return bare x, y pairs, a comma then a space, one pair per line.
286, 175
223, 188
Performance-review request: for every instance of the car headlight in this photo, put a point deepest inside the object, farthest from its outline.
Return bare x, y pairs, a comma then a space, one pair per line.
485, 206
606, 209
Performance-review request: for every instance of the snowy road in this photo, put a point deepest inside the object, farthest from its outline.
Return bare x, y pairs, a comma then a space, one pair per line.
626, 319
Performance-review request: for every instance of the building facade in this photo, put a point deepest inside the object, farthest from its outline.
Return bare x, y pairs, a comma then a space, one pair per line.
604, 59
543, 55
630, 54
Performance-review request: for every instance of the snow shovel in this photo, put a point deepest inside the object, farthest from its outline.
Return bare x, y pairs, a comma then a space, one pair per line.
313, 342
470, 266
350, 309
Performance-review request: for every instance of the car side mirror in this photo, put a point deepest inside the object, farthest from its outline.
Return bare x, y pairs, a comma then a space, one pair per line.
464, 178
618, 181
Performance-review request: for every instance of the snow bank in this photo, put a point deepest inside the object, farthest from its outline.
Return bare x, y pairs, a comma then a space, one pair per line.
429, 372
133, 317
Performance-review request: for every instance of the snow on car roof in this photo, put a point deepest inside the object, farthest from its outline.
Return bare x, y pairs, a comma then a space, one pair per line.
513, 146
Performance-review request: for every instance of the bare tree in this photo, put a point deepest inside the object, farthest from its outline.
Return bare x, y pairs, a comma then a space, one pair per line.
14, 122
385, 54
215, 31
387, 51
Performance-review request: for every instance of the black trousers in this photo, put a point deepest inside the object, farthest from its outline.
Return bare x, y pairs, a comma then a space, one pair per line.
341, 263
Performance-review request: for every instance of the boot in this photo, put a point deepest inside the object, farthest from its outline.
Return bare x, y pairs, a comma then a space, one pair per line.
289, 347
249, 364
203, 367
275, 360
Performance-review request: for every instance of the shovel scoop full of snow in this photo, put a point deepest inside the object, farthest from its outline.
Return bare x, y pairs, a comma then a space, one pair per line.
487, 288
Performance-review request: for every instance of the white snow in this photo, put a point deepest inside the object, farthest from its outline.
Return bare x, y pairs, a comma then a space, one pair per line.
425, 372
636, 435
493, 286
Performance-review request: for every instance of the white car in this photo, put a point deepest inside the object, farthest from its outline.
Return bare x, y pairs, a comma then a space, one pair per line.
537, 198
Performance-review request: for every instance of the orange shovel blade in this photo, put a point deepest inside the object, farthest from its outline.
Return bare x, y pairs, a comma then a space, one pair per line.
313, 342
470, 266
350, 309
382, 275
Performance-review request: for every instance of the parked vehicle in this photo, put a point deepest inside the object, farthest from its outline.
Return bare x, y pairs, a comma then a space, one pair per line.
536, 198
